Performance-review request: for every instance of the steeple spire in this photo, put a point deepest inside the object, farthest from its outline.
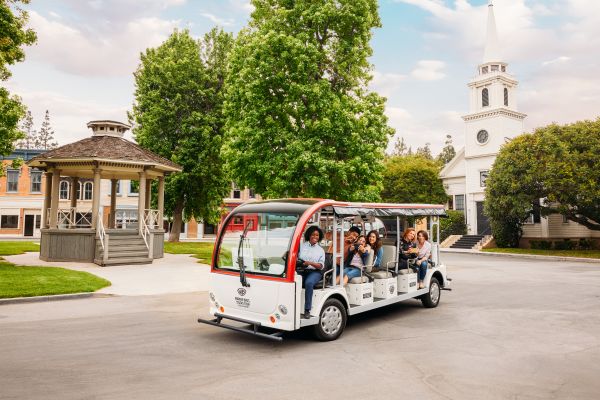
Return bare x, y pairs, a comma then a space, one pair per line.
492, 49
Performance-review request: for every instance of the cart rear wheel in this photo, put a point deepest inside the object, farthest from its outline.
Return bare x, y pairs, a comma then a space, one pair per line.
432, 298
332, 320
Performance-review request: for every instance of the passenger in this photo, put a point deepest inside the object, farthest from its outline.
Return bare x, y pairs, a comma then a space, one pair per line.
374, 242
313, 256
424, 252
349, 239
355, 259
408, 248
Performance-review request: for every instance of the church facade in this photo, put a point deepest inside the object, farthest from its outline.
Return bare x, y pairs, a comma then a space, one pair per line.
494, 119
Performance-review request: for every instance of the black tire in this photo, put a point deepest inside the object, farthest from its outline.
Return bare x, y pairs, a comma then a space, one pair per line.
432, 298
332, 320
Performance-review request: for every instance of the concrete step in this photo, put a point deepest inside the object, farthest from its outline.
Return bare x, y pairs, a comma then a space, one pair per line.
126, 254
124, 261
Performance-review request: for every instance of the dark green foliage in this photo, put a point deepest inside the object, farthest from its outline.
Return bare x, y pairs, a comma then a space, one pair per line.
178, 114
412, 179
564, 245
453, 225
301, 120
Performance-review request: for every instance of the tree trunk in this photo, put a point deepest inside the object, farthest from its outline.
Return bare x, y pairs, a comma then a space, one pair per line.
177, 222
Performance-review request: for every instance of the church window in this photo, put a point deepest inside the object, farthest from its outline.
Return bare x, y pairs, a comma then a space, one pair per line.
506, 97
494, 68
483, 175
484, 70
485, 98
503, 68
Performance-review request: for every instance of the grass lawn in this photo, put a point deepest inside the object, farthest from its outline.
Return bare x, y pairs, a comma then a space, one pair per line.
11, 248
22, 281
561, 253
201, 250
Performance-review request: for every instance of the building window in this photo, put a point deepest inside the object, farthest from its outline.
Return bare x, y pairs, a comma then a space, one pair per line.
36, 181
78, 191
484, 70
12, 180
134, 188
119, 188
483, 175
485, 97
251, 193
87, 190
9, 221
495, 68
529, 220
459, 202
503, 68
506, 97
63, 191
565, 219
236, 192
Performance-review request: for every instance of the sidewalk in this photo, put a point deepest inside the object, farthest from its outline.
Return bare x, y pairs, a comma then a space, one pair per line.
522, 256
175, 273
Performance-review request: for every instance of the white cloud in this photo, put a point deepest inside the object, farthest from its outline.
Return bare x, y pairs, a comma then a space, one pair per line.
386, 83
429, 70
561, 59
219, 21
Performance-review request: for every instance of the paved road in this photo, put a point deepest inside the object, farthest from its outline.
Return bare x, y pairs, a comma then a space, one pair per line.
509, 330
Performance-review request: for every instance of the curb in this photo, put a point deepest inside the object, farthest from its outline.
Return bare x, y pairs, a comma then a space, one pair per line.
38, 299
528, 256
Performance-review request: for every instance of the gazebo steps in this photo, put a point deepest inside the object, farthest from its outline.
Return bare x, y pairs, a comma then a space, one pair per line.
124, 261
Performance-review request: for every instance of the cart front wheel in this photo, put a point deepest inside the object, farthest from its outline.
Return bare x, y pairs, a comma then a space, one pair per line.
432, 298
332, 320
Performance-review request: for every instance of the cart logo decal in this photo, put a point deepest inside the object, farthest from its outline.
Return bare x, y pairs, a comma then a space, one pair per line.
392, 289
241, 291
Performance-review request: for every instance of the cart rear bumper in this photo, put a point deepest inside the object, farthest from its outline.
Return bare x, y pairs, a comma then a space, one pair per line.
253, 331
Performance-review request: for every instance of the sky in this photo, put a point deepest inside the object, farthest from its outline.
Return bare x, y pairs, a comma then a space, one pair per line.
424, 55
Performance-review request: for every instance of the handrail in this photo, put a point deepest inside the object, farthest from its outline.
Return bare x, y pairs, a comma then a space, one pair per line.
151, 218
147, 235
101, 233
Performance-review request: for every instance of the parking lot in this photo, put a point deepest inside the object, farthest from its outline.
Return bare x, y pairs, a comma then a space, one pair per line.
510, 329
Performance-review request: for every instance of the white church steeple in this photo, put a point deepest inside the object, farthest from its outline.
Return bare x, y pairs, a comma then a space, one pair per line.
492, 48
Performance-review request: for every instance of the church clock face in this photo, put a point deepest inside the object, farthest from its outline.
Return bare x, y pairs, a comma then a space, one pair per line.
482, 136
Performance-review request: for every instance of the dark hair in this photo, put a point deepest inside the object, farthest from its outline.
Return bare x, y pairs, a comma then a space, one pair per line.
406, 232
377, 240
311, 230
354, 229
424, 233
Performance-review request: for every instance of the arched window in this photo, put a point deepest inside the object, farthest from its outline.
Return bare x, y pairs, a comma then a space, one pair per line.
63, 192
506, 97
78, 194
485, 98
87, 191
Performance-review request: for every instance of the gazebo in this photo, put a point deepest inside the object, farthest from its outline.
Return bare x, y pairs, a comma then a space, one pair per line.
74, 234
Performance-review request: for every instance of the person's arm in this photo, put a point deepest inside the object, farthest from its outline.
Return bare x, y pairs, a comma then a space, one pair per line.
378, 257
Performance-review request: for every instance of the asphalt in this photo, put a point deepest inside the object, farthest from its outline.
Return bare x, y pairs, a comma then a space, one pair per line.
510, 329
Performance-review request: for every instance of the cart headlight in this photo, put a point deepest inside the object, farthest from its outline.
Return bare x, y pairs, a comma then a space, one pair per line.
283, 309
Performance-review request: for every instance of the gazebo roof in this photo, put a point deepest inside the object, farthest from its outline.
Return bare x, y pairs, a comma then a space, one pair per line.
104, 148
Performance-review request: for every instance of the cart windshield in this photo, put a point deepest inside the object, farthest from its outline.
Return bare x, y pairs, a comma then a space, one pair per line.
263, 249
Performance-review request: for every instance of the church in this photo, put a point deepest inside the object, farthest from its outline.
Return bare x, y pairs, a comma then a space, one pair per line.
494, 119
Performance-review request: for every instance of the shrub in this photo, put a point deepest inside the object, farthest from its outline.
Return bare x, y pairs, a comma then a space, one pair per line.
545, 245
534, 244
507, 231
585, 244
564, 245
453, 225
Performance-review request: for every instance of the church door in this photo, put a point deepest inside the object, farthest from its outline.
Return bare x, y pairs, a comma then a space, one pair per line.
483, 223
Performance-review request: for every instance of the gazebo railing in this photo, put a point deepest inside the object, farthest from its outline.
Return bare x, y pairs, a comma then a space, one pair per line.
71, 218
147, 236
151, 218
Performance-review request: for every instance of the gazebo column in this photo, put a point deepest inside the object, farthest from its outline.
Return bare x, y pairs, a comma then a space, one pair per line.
47, 198
74, 183
113, 203
148, 193
142, 201
96, 198
161, 200
54, 199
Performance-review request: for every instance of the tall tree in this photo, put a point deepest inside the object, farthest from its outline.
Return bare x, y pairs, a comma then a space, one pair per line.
400, 148
425, 151
412, 179
177, 113
45, 137
448, 152
558, 164
28, 142
301, 120
13, 37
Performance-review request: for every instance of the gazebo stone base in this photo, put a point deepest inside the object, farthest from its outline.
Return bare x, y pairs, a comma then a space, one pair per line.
68, 245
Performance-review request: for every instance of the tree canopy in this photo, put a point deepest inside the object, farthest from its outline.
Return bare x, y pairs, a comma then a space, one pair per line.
557, 165
412, 179
13, 37
301, 120
178, 114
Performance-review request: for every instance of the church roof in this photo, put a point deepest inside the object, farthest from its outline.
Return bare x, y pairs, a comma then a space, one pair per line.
104, 148
492, 48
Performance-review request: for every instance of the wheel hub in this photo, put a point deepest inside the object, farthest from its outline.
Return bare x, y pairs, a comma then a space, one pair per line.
331, 320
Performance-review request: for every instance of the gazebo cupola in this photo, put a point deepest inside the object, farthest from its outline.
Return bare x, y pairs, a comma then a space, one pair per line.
77, 232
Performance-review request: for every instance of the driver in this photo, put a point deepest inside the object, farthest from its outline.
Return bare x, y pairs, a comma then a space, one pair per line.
313, 257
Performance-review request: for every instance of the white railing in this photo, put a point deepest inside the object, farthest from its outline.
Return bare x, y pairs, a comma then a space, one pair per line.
72, 218
151, 218
148, 237
103, 236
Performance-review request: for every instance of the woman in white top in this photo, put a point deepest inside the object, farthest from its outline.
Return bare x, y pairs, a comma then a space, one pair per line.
424, 248
313, 258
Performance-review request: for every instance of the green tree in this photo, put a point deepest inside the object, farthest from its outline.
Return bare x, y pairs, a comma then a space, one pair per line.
412, 179
558, 164
13, 37
301, 120
30, 134
424, 151
401, 148
177, 113
45, 137
448, 152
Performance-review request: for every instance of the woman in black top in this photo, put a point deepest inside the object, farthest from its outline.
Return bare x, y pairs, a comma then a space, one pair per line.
408, 248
